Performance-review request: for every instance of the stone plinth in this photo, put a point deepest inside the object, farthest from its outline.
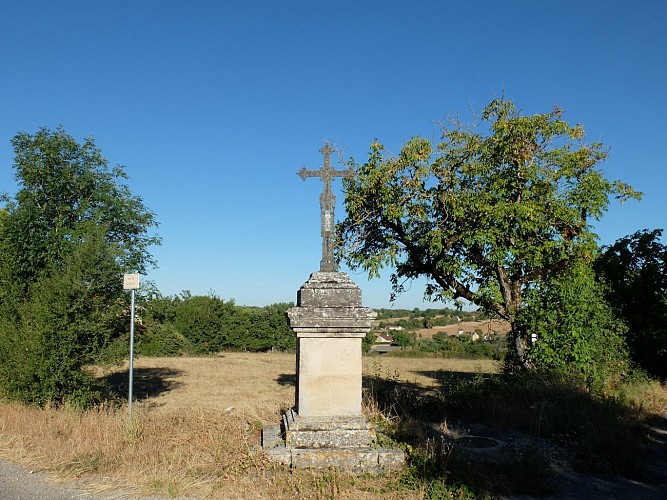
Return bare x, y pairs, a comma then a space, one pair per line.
326, 428
329, 305
328, 376
329, 323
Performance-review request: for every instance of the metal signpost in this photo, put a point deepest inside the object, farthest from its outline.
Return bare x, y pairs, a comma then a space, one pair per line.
131, 282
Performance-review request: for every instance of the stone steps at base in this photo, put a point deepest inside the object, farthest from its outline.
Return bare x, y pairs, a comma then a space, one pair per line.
361, 459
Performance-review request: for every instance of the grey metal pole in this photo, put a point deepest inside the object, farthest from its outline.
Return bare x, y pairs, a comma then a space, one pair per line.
131, 353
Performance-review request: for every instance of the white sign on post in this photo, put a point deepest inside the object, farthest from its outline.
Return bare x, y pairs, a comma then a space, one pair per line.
130, 281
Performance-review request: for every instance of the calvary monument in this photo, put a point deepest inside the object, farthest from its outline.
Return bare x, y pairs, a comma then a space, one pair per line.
326, 427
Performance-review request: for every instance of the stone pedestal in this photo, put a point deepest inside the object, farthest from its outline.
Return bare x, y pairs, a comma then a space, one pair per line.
326, 428
329, 323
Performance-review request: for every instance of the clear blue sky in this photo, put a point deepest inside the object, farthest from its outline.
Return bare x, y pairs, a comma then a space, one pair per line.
213, 106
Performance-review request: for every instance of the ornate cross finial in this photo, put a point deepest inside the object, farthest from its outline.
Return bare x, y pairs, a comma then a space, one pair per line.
327, 204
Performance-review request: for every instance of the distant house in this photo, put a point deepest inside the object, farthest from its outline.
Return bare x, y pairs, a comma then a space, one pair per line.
383, 339
383, 343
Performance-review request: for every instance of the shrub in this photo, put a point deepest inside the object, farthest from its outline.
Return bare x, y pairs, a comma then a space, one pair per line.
576, 332
162, 340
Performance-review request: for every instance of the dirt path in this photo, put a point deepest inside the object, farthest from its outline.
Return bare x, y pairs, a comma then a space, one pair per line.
575, 486
17, 483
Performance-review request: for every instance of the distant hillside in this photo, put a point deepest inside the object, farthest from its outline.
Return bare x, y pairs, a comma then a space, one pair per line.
420, 319
488, 326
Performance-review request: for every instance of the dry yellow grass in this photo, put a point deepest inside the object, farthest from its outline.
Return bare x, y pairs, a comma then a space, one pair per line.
195, 430
262, 384
256, 384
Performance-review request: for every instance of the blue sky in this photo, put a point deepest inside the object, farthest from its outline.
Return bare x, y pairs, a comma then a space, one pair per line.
213, 106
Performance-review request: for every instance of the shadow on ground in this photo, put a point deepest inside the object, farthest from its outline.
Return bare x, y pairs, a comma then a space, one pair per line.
148, 382
559, 441
286, 379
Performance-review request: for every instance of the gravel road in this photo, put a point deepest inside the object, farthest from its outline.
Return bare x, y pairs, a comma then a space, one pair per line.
17, 483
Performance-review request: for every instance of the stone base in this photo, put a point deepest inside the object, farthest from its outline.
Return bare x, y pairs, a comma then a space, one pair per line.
327, 432
329, 442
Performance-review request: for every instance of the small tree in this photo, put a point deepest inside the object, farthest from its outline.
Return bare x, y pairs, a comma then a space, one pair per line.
484, 213
66, 238
205, 321
635, 269
575, 330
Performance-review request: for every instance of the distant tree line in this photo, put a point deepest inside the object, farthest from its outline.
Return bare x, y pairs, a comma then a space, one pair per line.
416, 318
443, 314
443, 345
187, 324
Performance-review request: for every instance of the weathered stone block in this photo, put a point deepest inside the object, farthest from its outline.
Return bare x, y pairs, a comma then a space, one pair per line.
329, 297
352, 460
272, 436
328, 376
329, 290
327, 432
390, 459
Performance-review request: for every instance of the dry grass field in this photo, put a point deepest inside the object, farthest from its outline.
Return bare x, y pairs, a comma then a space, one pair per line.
195, 429
260, 385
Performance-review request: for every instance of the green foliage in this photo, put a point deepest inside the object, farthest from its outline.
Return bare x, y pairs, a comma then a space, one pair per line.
441, 316
464, 347
209, 324
367, 342
66, 191
402, 339
162, 340
63, 324
576, 331
596, 432
269, 328
202, 320
635, 270
603, 433
66, 238
392, 313
482, 214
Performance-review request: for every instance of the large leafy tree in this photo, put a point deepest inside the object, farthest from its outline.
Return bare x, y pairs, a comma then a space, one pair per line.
492, 208
635, 269
66, 191
66, 237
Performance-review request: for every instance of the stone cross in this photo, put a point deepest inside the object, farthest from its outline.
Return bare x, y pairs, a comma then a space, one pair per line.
326, 427
327, 205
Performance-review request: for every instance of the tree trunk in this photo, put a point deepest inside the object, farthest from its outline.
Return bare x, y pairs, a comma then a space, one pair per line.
518, 358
